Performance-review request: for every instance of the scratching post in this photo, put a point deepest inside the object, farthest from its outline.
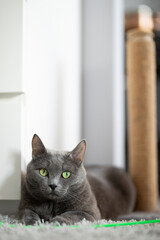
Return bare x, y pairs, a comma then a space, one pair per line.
141, 90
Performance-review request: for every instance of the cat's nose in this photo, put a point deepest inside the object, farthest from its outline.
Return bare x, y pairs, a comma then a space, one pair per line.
53, 186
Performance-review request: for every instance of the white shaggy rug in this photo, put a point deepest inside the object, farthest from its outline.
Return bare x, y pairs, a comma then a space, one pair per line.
85, 232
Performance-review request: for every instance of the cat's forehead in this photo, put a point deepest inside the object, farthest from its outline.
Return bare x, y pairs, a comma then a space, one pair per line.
59, 160
55, 160
59, 155
56, 157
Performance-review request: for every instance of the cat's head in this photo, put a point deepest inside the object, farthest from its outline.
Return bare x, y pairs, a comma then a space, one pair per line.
56, 175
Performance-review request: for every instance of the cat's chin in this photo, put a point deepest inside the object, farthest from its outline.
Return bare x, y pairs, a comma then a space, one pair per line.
53, 196
56, 196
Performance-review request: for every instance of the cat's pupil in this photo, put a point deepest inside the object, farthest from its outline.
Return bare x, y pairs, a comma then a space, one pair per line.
43, 172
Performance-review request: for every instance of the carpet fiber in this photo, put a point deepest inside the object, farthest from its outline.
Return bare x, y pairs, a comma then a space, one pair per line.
85, 232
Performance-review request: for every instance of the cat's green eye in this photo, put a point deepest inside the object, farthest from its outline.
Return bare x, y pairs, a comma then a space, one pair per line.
66, 174
43, 172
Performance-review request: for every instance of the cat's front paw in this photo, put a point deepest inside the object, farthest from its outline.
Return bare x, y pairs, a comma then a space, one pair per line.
30, 217
59, 221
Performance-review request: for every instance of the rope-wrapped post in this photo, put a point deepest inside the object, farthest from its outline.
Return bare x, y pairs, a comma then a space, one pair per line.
142, 126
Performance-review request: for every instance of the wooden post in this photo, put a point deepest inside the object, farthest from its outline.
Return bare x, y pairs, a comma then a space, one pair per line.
142, 130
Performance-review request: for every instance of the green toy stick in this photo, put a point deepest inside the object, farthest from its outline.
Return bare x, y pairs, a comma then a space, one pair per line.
98, 225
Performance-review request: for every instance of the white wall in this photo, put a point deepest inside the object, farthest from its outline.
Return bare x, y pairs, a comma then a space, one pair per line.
52, 73
40, 86
103, 81
11, 98
10, 46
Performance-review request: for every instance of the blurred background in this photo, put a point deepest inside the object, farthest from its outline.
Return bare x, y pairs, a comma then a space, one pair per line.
62, 76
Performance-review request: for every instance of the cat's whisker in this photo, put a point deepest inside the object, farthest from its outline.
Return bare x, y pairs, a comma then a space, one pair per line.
62, 192
74, 196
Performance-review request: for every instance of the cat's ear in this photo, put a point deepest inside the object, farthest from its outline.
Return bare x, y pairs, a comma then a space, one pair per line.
78, 152
38, 147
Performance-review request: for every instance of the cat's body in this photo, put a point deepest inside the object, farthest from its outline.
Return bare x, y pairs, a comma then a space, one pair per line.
99, 193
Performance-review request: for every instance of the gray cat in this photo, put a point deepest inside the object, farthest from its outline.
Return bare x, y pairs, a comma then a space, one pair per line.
57, 188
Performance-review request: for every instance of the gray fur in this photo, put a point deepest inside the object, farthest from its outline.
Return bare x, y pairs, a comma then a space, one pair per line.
98, 193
